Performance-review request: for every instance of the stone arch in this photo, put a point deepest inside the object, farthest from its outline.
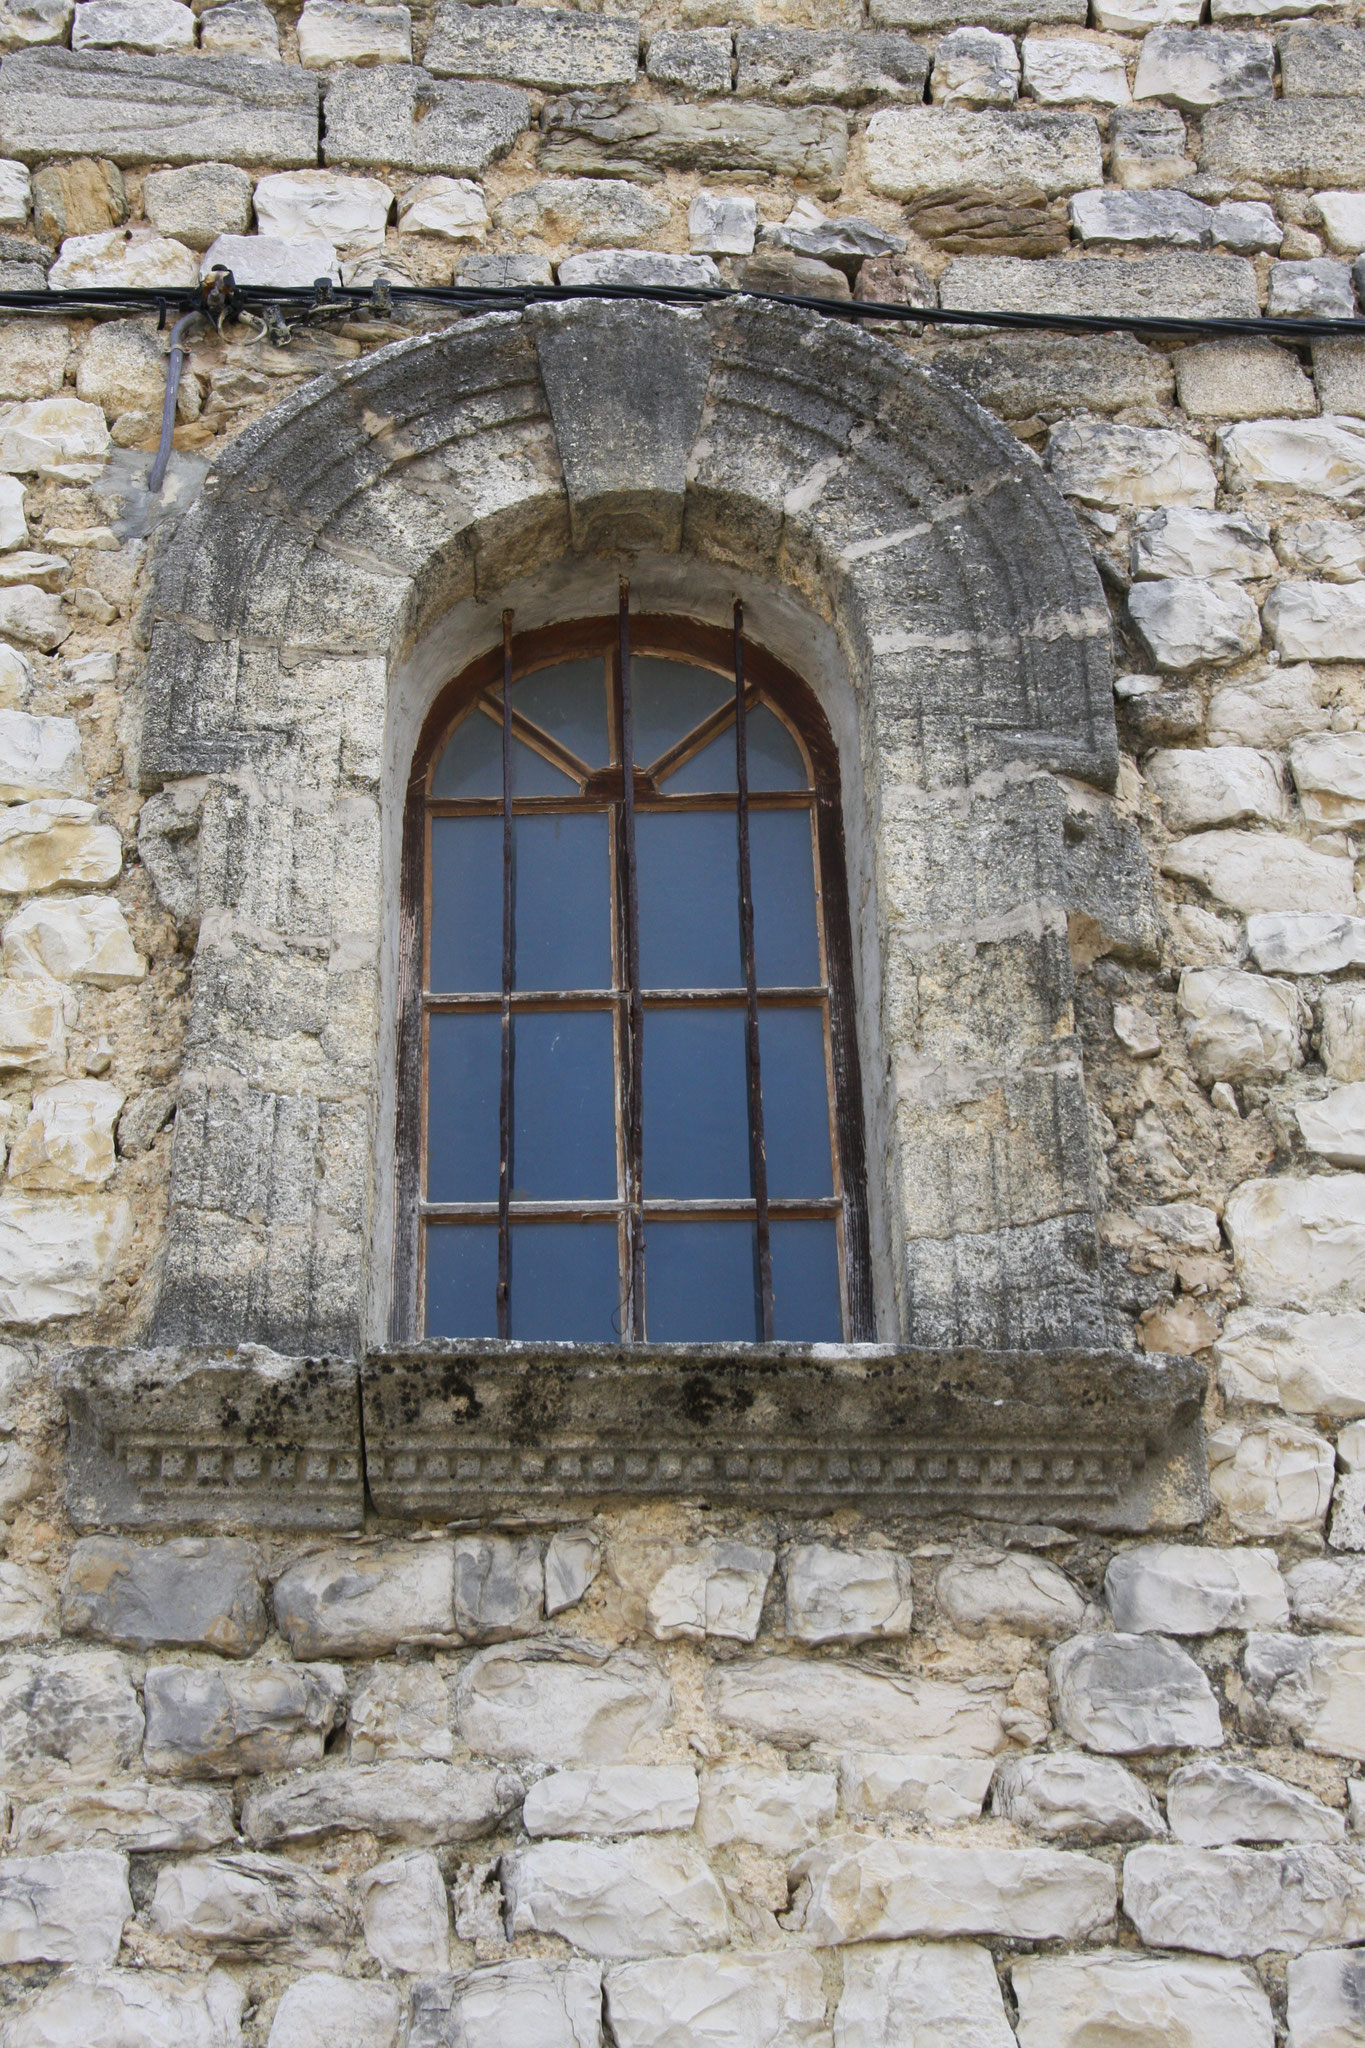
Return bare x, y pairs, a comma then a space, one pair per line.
339, 530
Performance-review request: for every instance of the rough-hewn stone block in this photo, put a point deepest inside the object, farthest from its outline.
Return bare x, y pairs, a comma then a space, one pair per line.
189, 1595
1285, 142
643, 140
796, 66
401, 117
178, 110
538, 46
922, 153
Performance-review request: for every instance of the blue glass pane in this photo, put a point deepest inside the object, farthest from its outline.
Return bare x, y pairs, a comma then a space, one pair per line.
701, 1283
688, 868
464, 1065
563, 901
712, 771
533, 775
786, 937
668, 699
569, 702
774, 758
466, 906
805, 1261
791, 1045
462, 1280
471, 765
566, 1282
696, 1113
563, 1106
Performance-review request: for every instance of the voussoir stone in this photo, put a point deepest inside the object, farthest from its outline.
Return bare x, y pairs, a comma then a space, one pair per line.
796, 1701
778, 1812
1076, 1797
560, 1704
1074, 2001
1010, 1590
541, 46
864, 1888
1312, 1687
1244, 1902
1213, 1804
170, 110
420, 1804
400, 117
69, 1717
216, 1723
190, 1594
717, 2002
616, 1899
1183, 1589
1125, 1695
850, 1596
144, 1819
130, 2009
364, 1603
617, 1799
68, 1908
924, 153
251, 1906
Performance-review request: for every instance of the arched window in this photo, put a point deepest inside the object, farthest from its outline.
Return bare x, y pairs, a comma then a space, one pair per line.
629, 1106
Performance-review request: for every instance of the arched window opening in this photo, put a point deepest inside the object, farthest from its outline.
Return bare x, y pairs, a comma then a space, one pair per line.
629, 1106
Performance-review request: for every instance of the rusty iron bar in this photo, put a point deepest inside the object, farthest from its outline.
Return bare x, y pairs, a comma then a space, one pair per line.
630, 980
758, 1153
508, 955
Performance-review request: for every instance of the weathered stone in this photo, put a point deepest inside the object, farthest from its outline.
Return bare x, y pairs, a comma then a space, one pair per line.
593, 213
778, 1812
544, 46
241, 28
64, 1909
39, 757
585, 137
1343, 218
1197, 68
1322, 60
618, 1799
1241, 1027
153, 26
452, 208
1267, 711
1211, 1805
716, 1589
1171, 219
1075, 70
1126, 1695
130, 2009
922, 153
718, 2002
423, 1805
1181, 1589
497, 273
123, 367
1329, 768
33, 618
534, 2000
211, 1723
1318, 622
1326, 1996
406, 1914
401, 1712
13, 523
1012, 16
720, 224
1339, 373
84, 197
59, 437
1309, 1364
1326, 457
399, 117
365, 1602
779, 270
921, 1991
28, 1605
345, 32
639, 267
1299, 1243
941, 1790
1182, 541
1312, 1687
322, 2011
252, 1906
191, 1594
1180, 283
797, 66
560, 1704
1216, 786
693, 59
795, 1701
616, 1900
1333, 1126
1069, 2001
1319, 288
273, 259
348, 212
1111, 465
1248, 225
66, 1719
1185, 621
863, 1888
846, 1595
81, 939
499, 1587
55, 1251
1081, 1798
171, 110
1329, 1593
67, 1142
1010, 1590
141, 1819
573, 1558
14, 194
33, 1036
974, 67
1308, 141
847, 242
1273, 1478
1019, 375
1252, 872
1244, 1902
1149, 143
197, 204
34, 21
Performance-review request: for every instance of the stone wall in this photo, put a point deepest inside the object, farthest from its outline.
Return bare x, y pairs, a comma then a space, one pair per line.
679, 1775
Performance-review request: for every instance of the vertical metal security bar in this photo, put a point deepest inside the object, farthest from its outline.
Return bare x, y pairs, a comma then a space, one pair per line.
757, 1147
630, 975
508, 944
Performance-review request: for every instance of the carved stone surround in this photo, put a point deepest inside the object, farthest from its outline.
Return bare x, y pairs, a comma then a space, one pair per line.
441, 1432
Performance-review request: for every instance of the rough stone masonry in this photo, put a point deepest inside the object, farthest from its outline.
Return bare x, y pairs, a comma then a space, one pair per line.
827, 1767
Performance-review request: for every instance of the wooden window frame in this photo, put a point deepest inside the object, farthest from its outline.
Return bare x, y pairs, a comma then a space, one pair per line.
763, 677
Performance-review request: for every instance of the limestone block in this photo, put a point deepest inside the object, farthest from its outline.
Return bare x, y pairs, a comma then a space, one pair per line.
546, 47
344, 32
941, 1790
1240, 1026
778, 1812
252, 1907
1312, 1687
616, 1900
154, 26
1181, 541
1328, 549
1182, 1589
329, 206
1126, 1695
1267, 711
39, 757
1272, 1478
535, 2001
721, 224
1247, 225
1284, 142
697, 60
401, 1711
595, 138
365, 1602
795, 66
68, 1140
1180, 283
573, 1558
190, 1594
64, 1909
242, 28
14, 194
865, 1888
137, 257
1253, 872
779, 270
1317, 622
59, 437
716, 1589
1212, 1804
123, 365
1337, 375
401, 118
144, 1819
34, 21
1172, 219
1112, 465
1318, 289
1324, 457
560, 1704
1012, 16
1011, 1590
1071, 70
1299, 1243
423, 1805
32, 1032
1343, 218
922, 153
36, 368
28, 1607
851, 1596
130, 2009
734, 2001
974, 67
406, 1914
847, 242
205, 1722
452, 208
1329, 1593
1081, 1798
639, 266
196, 204
1185, 621
1333, 1126
1149, 144
13, 524
499, 1587
271, 259
593, 213
1321, 60
322, 2011
616, 1799
1069, 2001
68, 1718
1197, 68
33, 617
1244, 1902
1326, 1997
1015, 376
55, 1251
1329, 768
793, 1702
82, 939
1216, 786
1348, 1512
925, 1992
